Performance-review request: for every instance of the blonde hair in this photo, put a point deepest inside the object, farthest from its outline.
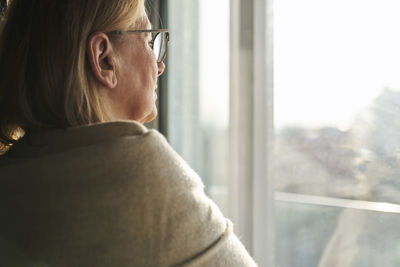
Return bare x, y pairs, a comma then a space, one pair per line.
45, 78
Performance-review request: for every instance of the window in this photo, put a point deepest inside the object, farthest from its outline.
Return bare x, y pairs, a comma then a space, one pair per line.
198, 87
293, 125
337, 100
210, 108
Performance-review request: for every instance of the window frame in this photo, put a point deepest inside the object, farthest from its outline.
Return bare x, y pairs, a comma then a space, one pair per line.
250, 187
158, 16
252, 190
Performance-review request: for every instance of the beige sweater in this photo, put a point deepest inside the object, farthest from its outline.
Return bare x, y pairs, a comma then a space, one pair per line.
112, 194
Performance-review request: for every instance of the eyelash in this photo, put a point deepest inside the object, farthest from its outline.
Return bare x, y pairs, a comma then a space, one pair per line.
151, 44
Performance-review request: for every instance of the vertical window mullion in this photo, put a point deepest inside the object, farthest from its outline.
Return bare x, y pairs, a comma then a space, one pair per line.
251, 127
263, 190
241, 120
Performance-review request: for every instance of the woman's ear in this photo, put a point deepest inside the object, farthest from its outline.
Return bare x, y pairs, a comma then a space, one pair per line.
102, 59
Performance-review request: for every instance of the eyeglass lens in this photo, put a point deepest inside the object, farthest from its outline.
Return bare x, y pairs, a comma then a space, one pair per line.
160, 46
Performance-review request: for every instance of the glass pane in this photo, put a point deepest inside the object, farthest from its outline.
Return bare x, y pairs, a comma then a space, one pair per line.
198, 84
337, 132
337, 98
323, 236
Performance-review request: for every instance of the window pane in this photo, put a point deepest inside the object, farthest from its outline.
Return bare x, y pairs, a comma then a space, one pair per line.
337, 132
198, 82
337, 98
323, 236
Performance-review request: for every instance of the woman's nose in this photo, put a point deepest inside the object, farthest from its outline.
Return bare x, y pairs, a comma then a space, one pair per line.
161, 68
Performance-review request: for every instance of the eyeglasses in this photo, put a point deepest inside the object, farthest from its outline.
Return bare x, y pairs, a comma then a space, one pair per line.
159, 42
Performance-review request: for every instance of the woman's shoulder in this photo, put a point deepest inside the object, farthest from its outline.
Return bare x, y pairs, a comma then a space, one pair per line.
132, 183
122, 149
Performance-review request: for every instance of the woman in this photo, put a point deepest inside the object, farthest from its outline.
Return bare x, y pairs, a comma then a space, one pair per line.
82, 181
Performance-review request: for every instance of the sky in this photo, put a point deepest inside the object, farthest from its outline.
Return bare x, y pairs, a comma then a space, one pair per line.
332, 58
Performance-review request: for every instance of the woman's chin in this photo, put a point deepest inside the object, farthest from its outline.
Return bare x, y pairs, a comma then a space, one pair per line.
151, 116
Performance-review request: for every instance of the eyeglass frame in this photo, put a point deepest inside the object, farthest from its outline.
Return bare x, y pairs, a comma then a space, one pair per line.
157, 31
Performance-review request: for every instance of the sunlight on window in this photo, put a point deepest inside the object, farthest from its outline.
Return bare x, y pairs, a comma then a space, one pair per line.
337, 98
214, 62
332, 58
337, 132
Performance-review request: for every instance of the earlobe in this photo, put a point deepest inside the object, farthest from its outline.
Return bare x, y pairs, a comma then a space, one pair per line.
102, 59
